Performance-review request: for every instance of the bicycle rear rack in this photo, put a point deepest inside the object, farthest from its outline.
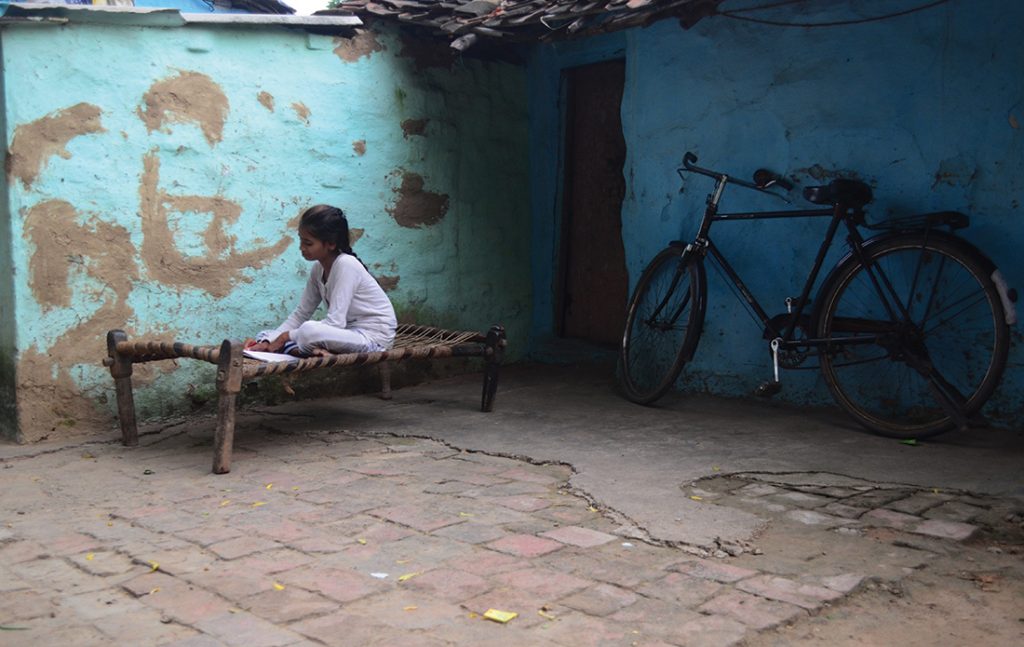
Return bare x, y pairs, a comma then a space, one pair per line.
951, 219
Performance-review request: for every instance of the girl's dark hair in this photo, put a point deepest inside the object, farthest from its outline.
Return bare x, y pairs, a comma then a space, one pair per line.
328, 224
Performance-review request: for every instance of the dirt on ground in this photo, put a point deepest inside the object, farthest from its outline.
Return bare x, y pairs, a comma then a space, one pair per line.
918, 590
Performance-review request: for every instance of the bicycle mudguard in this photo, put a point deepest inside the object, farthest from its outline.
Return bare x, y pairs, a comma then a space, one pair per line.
1007, 295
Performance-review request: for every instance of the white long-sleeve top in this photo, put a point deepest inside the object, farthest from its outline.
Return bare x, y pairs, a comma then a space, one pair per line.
354, 300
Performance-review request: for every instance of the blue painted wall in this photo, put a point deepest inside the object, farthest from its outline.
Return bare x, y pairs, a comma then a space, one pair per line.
927, 108
158, 191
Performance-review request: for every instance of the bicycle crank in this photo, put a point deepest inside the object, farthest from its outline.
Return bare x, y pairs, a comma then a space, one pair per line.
771, 387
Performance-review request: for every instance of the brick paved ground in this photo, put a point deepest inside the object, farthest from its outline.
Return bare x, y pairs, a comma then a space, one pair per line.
325, 538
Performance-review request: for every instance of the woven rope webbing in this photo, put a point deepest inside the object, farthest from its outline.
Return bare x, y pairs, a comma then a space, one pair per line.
411, 341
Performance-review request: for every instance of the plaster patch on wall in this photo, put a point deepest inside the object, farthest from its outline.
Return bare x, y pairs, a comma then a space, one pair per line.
301, 111
354, 234
359, 147
364, 43
50, 398
188, 97
220, 268
388, 283
416, 207
266, 100
35, 142
414, 127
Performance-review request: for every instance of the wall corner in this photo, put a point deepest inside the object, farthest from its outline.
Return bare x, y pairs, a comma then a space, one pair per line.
9, 429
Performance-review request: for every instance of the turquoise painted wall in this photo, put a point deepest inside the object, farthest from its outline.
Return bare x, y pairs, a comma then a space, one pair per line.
927, 108
171, 176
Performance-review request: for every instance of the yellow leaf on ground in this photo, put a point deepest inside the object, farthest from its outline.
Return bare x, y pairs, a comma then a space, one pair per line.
258, 504
278, 587
499, 616
407, 576
89, 557
155, 565
362, 541
696, 498
270, 485
411, 607
224, 503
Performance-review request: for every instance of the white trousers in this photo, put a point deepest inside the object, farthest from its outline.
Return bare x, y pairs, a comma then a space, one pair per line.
315, 334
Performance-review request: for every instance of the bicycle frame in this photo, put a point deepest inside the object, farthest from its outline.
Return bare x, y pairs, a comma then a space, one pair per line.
703, 245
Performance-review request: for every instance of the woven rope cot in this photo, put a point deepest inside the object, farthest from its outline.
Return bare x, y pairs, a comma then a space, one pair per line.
411, 342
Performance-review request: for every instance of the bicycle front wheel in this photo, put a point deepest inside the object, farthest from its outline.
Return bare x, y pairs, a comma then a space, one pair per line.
663, 324
923, 327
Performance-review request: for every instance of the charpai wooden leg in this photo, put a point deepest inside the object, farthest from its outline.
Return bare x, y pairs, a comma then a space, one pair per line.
495, 355
385, 380
121, 371
229, 383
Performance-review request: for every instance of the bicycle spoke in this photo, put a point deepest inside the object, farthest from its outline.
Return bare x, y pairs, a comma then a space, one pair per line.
658, 327
937, 362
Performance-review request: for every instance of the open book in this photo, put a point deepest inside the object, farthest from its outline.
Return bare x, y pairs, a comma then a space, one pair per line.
269, 357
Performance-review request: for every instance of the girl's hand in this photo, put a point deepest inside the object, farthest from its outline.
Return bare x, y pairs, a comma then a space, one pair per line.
252, 344
276, 345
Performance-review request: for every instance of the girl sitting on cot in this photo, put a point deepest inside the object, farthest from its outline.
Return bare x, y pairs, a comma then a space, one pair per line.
359, 317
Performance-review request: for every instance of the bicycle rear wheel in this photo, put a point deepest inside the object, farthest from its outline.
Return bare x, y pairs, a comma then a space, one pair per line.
940, 335
663, 325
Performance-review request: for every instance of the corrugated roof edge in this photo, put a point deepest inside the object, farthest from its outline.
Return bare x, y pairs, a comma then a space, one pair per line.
45, 13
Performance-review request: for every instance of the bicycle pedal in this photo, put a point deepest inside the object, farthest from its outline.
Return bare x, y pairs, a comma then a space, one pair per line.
768, 389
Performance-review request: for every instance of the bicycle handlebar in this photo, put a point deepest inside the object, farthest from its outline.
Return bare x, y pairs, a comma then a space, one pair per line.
690, 165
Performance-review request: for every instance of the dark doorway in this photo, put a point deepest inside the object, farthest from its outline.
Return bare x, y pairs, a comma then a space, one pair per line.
592, 303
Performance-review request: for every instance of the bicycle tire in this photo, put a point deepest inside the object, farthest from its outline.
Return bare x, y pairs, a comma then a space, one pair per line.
957, 324
653, 352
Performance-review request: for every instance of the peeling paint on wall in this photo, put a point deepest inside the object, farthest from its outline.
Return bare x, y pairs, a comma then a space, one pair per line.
414, 127
103, 252
34, 143
364, 43
301, 111
955, 171
416, 207
188, 97
359, 147
388, 283
266, 100
220, 268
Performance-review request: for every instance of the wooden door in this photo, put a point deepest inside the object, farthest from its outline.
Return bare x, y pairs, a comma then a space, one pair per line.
593, 264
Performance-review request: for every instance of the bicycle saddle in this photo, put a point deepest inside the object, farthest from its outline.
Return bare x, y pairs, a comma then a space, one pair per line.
851, 193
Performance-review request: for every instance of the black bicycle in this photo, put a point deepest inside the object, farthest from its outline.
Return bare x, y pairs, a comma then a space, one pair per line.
911, 328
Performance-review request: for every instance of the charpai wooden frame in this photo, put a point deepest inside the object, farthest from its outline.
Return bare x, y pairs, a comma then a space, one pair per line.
411, 341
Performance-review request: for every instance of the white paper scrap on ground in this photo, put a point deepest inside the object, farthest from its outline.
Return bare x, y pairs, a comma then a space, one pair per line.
269, 357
